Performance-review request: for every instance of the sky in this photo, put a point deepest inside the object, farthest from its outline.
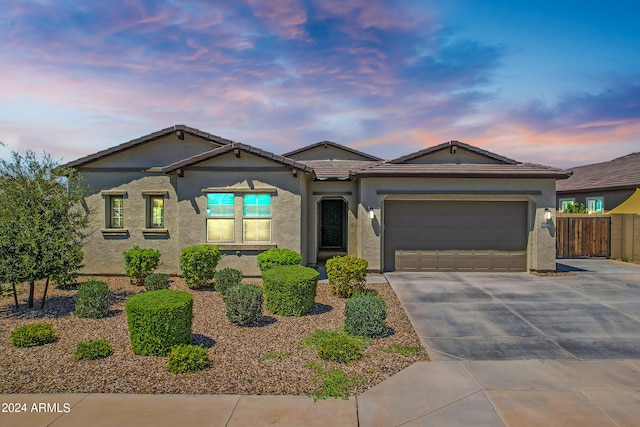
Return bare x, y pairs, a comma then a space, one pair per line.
553, 82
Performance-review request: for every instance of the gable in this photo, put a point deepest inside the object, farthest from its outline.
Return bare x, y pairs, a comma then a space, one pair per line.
229, 161
327, 150
459, 156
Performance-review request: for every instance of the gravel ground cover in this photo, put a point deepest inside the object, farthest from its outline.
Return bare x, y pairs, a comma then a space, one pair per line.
265, 358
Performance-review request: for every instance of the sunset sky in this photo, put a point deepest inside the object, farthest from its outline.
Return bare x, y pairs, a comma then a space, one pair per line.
555, 82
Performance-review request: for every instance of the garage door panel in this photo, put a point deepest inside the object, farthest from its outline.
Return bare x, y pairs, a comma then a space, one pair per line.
455, 236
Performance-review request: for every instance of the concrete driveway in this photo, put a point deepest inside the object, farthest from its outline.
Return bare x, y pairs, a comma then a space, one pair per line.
593, 314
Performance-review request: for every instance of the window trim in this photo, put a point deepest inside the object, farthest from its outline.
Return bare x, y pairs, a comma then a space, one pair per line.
256, 217
220, 217
600, 198
149, 216
110, 212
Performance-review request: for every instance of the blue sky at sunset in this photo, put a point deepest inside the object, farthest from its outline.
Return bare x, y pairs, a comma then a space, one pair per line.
550, 82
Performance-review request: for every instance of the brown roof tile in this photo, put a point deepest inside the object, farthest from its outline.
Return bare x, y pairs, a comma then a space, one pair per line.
623, 172
522, 170
449, 144
333, 144
338, 169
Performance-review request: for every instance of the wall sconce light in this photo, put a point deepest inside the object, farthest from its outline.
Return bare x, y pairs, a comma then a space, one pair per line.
371, 214
547, 214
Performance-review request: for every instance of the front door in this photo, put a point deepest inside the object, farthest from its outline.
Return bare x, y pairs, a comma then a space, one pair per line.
332, 223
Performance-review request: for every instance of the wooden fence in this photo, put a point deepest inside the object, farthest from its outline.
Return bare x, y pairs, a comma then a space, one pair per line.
583, 235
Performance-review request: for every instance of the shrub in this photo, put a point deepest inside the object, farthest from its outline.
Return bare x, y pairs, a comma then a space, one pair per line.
33, 334
336, 346
186, 358
198, 264
93, 349
156, 281
347, 275
365, 315
278, 256
158, 320
139, 263
244, 304
93, 299
290, 290
227, 278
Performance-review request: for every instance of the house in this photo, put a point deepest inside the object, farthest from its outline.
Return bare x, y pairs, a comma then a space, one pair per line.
603, 187
452, 207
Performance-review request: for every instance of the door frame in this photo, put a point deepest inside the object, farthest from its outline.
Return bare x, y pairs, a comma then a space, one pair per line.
345, 224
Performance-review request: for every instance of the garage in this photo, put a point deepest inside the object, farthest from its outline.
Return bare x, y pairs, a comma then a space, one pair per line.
455, 235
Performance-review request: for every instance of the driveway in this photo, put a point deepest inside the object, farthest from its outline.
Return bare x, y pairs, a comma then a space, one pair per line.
593, 314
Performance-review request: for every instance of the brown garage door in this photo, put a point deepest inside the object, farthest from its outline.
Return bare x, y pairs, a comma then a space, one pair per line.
455, 236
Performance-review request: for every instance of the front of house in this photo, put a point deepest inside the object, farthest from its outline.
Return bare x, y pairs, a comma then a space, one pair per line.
452, 207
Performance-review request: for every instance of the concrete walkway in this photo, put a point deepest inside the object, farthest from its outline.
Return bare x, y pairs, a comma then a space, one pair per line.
457, 393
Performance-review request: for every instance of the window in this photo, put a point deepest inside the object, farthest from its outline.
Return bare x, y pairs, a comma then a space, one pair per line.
116, 210
220, 217
256, 223
564, 203
156, 212
595, 204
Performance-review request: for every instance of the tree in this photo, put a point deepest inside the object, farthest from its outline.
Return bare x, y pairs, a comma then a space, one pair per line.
41, 221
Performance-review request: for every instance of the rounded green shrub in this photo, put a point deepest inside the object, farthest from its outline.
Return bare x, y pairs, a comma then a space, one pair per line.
339, 347
227, 278
347, 275
278, 256
244, 304
157, 281
93, 299
158, 320
186, 358
93, 349
33, 334
365, 315
198, 264
290, 290
139, 263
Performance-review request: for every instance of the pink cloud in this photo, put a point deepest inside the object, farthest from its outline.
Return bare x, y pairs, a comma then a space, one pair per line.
283, 17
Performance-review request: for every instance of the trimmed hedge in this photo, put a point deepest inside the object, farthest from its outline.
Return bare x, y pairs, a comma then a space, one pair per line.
227, 278
93, 299
365, 315
277, 256
33, 334
139, 263
157, 281
159, 320
93, 349
290, 290
198, 264
187, 358
347, 275
244, 304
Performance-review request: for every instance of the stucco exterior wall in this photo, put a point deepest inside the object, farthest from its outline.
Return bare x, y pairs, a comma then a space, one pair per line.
539, 193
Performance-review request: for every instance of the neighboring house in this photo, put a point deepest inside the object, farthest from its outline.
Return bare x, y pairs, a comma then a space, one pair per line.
452, 207
601, 187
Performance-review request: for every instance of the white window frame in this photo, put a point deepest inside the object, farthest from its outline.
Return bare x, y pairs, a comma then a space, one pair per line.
213, 218
561, 202
111, 211
246, 218
596, 198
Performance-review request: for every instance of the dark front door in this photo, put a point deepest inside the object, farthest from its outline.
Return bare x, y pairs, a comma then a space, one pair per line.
332, 228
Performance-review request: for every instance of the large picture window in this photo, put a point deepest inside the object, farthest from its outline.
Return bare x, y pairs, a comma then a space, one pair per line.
220, 217
256, 222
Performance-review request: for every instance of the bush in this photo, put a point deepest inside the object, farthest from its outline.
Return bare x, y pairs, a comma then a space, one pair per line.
347, 275
290, 290
156, 281
33, 334
198, 264
158, 320
365, 315
244, 304
93, 299
93, 349
186, 358
227, 278
336, 346
276, 257
139, 263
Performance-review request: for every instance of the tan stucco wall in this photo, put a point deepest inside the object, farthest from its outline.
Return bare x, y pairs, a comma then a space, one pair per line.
541, 241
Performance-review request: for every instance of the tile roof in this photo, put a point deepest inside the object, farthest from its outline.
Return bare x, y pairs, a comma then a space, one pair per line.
242, 147
338, 169
449, 144
216, 140
439, 170
332, 144
623, 172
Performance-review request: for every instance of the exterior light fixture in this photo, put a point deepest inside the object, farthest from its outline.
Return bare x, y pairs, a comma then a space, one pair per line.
371, 214
547, 214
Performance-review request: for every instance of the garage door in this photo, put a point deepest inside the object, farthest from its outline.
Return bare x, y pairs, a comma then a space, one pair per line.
455, 236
